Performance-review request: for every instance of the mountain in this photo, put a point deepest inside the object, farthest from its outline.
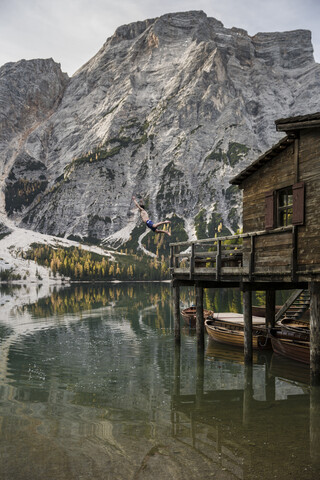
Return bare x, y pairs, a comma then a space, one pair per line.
169, 109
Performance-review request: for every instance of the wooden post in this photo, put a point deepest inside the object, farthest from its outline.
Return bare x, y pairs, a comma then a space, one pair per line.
314, 288
192, 261
251, 259
270, 308
199, 315
218, 261
176, 258
247, 317
176, 312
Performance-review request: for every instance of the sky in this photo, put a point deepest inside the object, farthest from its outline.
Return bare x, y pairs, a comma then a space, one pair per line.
72, 31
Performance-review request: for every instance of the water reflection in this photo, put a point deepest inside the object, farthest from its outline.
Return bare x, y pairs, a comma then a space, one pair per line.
241, 428
92, 387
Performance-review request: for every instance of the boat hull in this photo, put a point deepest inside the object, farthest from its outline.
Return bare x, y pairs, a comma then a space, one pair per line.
189, 316
235, 337
296, 350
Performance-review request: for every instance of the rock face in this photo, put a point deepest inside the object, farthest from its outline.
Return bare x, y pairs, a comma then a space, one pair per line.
169, 109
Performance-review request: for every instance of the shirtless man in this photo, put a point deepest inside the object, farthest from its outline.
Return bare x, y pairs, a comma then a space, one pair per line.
148, 222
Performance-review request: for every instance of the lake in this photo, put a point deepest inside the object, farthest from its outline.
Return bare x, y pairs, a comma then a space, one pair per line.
92, 387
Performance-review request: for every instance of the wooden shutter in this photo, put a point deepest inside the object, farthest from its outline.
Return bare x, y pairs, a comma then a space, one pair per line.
269, 210
298, 204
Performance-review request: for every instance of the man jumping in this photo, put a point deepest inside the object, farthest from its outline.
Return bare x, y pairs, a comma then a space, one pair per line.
148, 222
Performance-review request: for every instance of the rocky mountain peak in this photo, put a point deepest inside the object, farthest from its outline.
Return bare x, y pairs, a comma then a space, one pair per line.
169, 108
30, 89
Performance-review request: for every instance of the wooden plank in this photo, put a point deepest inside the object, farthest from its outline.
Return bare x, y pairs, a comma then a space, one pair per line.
205, 271
273, 261
293, 297
265, 270
234, 271
278, 239
201, 255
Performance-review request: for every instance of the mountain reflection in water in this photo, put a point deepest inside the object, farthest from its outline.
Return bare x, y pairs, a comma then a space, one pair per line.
92, 387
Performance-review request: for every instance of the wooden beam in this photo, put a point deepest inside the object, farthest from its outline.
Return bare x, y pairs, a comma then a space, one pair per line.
285, 127
288, 303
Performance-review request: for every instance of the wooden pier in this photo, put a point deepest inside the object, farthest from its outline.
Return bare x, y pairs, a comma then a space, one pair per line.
280, 246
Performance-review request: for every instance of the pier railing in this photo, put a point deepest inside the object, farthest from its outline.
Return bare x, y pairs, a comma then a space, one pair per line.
267, 253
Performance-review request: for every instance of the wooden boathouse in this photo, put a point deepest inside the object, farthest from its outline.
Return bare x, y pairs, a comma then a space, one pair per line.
280, 245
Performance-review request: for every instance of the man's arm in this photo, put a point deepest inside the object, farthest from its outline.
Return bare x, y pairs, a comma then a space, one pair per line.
137, 204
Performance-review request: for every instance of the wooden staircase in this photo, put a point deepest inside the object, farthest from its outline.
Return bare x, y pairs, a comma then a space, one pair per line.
296, 305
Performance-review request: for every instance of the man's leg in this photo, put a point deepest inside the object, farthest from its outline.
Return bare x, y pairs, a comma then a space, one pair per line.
163, 231
161, 223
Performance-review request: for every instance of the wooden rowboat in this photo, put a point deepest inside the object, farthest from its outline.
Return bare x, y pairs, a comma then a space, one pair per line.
233, 335
189, 316
297, 329
290, 347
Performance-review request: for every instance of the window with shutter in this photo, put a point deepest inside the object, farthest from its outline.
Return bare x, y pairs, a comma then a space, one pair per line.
298, 203
284, 207
269, 209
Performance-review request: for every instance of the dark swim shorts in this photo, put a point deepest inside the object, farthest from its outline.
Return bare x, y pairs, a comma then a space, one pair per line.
150, 225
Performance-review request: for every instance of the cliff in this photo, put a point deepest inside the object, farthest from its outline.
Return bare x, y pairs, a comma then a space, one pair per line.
169, 108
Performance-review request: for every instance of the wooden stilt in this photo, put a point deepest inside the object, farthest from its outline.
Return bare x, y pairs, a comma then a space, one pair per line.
176, 305
314, 289
199, 315
247, 317
270, 308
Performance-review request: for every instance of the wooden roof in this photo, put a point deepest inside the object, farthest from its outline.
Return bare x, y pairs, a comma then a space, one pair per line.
299, 122
290, 125
268, 155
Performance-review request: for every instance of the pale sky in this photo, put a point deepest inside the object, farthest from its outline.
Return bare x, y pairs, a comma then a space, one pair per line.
72, 31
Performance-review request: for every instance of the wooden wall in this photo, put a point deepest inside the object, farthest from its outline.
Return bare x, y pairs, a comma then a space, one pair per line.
309, 172
277, 173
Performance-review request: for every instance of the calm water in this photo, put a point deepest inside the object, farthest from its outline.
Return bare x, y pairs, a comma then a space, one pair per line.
91, 387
